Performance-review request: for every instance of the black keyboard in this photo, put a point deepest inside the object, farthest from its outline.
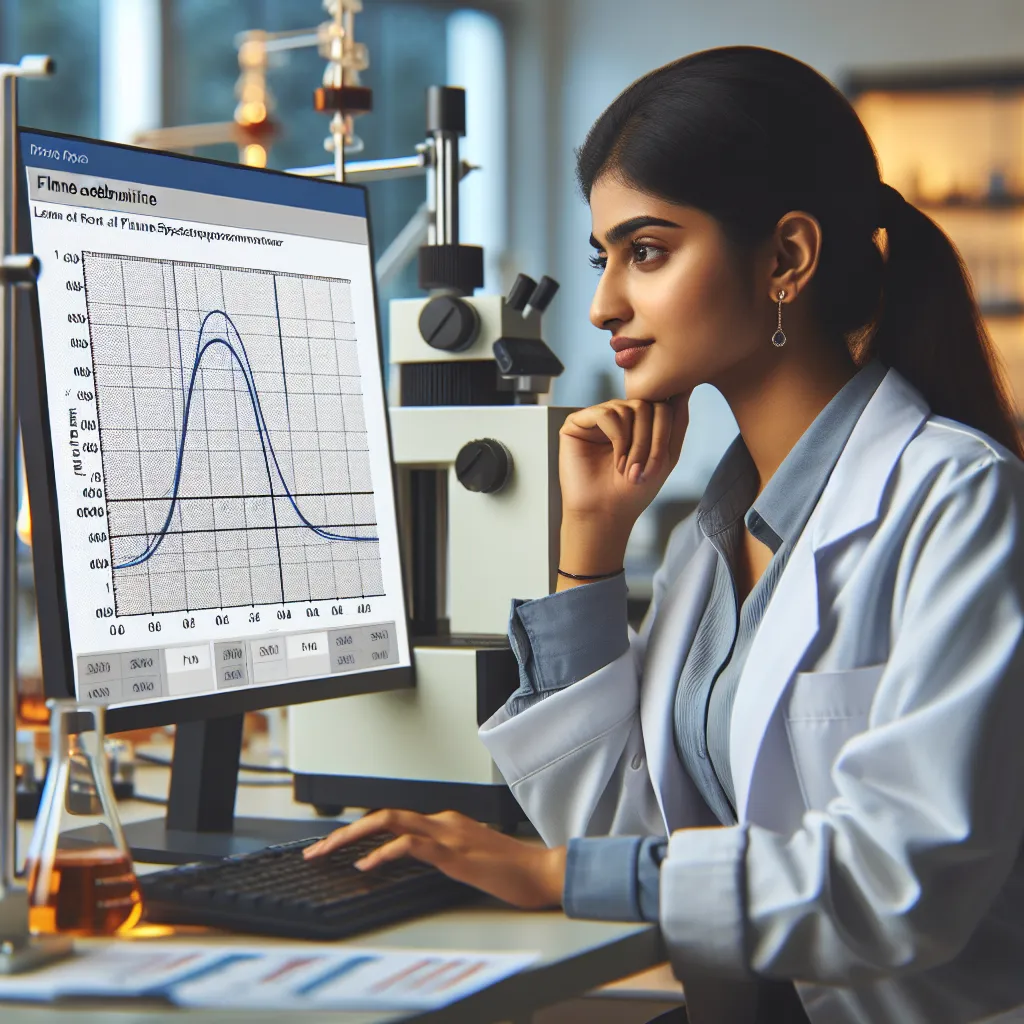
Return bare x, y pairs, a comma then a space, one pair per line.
277, 892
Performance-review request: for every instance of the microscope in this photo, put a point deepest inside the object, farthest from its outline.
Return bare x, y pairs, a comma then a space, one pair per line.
476, 460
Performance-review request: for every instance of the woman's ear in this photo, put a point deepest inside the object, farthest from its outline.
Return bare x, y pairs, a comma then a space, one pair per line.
796, 249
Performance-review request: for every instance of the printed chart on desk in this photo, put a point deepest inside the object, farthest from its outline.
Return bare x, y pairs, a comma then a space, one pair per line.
233, 437
218, 425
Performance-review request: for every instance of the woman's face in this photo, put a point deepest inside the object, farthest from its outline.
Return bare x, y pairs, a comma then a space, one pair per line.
670, 282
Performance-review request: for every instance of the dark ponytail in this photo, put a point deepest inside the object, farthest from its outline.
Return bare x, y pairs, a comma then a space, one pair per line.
747, 135
929, 327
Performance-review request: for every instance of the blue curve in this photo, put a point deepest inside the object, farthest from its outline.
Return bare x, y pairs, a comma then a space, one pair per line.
264, 433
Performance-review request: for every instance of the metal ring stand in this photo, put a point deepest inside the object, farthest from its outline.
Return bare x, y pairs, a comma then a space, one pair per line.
19, 951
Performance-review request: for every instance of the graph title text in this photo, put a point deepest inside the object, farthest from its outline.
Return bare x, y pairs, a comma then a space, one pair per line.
101, 190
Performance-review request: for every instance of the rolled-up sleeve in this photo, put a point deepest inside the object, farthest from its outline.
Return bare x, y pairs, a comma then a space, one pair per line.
565, 637
614, 878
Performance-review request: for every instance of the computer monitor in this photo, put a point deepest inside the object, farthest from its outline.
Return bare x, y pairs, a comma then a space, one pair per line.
207, 448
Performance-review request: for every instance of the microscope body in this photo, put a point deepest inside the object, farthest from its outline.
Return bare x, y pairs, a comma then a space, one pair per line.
476, 461
480, 509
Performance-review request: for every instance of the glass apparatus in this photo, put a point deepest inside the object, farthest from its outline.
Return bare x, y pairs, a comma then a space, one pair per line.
79, 884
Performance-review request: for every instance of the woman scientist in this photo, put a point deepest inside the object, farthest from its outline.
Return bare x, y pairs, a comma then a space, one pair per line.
808, 766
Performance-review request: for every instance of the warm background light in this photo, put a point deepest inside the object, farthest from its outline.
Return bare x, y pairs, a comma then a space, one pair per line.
254, 155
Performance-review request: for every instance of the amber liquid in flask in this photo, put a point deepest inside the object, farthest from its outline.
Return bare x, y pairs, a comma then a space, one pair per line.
79, 884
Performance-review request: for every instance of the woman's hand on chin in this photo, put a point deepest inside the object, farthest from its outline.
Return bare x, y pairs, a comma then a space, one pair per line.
527, 875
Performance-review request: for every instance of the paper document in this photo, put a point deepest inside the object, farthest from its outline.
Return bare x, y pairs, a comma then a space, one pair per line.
268, 977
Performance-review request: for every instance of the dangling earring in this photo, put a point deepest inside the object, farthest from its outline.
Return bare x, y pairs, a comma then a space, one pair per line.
779, 337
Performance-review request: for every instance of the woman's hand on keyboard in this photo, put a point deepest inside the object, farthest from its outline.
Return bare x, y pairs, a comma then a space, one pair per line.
525, 874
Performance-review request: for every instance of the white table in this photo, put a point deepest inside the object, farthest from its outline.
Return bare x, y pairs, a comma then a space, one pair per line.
576, 956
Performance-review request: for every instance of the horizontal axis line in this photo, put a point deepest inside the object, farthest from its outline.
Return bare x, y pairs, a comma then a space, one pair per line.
254, 604
235, 497
240, 529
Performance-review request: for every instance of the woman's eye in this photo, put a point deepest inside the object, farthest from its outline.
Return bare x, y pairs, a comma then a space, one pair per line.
643, 253
640, 254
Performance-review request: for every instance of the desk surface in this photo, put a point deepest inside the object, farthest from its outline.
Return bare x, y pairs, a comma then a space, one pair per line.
576, 956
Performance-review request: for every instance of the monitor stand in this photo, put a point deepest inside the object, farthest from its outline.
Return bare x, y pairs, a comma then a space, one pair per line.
200, 823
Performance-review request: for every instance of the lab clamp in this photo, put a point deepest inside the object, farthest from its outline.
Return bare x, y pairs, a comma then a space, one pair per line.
476, 456
254, 128
18, 950
343, 97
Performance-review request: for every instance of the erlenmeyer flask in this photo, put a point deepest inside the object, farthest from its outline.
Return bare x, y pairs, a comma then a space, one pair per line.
76, 886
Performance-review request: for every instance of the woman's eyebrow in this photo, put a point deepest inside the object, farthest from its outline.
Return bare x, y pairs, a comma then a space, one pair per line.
622, 231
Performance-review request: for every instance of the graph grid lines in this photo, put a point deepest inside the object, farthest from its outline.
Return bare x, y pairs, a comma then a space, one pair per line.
233, 436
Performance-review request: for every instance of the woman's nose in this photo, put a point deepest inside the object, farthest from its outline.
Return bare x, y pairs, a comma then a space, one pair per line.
609, 306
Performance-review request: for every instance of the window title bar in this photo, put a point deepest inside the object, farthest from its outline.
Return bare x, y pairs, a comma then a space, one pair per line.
141, 167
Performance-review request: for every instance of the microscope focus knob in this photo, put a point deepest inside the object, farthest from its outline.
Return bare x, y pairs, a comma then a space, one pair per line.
449, 324
484, 466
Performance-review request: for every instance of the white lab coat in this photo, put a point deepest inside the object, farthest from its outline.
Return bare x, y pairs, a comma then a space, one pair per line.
877, 744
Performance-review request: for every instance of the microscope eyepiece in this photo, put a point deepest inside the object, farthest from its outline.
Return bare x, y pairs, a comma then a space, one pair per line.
520, 292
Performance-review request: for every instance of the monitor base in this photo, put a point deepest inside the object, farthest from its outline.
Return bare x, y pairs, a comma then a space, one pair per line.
152, 842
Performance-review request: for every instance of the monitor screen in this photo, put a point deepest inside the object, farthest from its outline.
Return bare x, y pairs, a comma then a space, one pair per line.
218, 482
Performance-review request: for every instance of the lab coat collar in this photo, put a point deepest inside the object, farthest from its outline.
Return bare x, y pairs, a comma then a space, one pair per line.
850, 501
784, 505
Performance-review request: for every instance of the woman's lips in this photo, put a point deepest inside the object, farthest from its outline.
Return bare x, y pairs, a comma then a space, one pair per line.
629, 352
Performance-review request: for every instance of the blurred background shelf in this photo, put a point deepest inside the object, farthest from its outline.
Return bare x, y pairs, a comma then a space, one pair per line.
984, 204
952, 141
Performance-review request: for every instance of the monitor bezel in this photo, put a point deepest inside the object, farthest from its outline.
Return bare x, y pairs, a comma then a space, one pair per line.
47, 553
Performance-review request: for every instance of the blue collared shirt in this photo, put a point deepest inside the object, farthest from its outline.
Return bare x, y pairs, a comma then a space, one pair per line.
566, 636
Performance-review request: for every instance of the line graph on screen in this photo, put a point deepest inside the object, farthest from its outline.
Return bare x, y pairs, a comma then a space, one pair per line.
232, 432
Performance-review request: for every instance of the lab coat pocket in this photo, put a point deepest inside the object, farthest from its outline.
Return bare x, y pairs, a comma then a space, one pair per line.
824, 710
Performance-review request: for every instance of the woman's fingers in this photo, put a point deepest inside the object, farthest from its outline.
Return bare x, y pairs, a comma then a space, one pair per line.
617, 423
640, 445
518, 872
393, 821
643, 435
418, 847
609, 423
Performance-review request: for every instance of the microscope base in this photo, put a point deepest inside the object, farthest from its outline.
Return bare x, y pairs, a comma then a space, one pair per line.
417, 749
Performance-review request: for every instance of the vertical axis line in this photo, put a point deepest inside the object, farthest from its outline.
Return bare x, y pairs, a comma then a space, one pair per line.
270, 481
181, 363
99, 426
316, 428
201, 376
135, 407
235, 373
172, 391
284, 375
288, 418
337, 381
345, 431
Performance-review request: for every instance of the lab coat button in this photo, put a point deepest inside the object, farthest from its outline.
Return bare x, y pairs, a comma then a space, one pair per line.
637, 762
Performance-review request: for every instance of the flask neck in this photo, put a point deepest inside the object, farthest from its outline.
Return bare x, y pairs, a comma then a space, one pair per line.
76, 729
